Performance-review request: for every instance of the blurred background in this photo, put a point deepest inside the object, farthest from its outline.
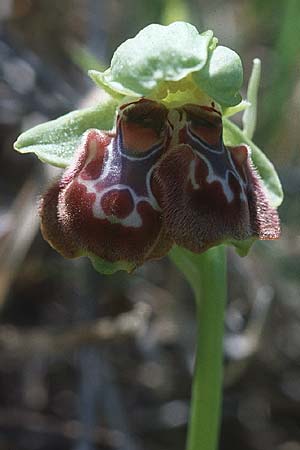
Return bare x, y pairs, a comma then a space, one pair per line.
89, 362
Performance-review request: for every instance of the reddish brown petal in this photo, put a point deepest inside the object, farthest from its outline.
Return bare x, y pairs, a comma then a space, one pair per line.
196, 219
265, 222
210, 193
101, 237
162, 246
104, 205
204, 122
143, 125
206, 201
55, 227
51, 228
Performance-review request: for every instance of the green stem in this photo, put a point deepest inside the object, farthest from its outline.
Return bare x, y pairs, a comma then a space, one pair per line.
208, 279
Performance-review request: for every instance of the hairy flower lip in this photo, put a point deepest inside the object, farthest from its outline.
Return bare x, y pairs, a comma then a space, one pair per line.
124, 206
129, 164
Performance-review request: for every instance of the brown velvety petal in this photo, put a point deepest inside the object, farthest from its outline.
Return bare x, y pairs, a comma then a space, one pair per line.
51, 228
264, 219
265, 222
208, 201
204, 122
196, 213
162, 246
110, 241
54, 227
104, 205
143, 124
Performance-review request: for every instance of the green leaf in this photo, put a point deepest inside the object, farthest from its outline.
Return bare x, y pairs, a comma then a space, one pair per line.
156, 54
55, 142
234, 136
222, 76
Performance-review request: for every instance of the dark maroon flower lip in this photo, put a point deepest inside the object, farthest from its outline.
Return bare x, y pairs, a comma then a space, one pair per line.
130, 195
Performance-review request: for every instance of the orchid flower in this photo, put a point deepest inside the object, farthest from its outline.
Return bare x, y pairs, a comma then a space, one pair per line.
149, 169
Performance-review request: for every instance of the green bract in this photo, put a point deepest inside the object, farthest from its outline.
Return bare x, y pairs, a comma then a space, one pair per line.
158, 54
222, 76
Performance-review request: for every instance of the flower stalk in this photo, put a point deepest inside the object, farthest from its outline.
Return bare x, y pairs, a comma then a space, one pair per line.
210, 287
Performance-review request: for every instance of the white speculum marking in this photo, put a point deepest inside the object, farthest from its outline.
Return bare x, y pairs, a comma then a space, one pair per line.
212, 176
133, 219
192, 175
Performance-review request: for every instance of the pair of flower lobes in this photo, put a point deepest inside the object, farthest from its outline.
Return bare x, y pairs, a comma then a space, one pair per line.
164, 177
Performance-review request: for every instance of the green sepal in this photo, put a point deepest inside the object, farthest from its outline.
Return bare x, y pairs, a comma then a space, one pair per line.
241, 247
222, 76
156, 54
109, 268
234, 136
99, 78
143, 66
232, 110
55, 142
